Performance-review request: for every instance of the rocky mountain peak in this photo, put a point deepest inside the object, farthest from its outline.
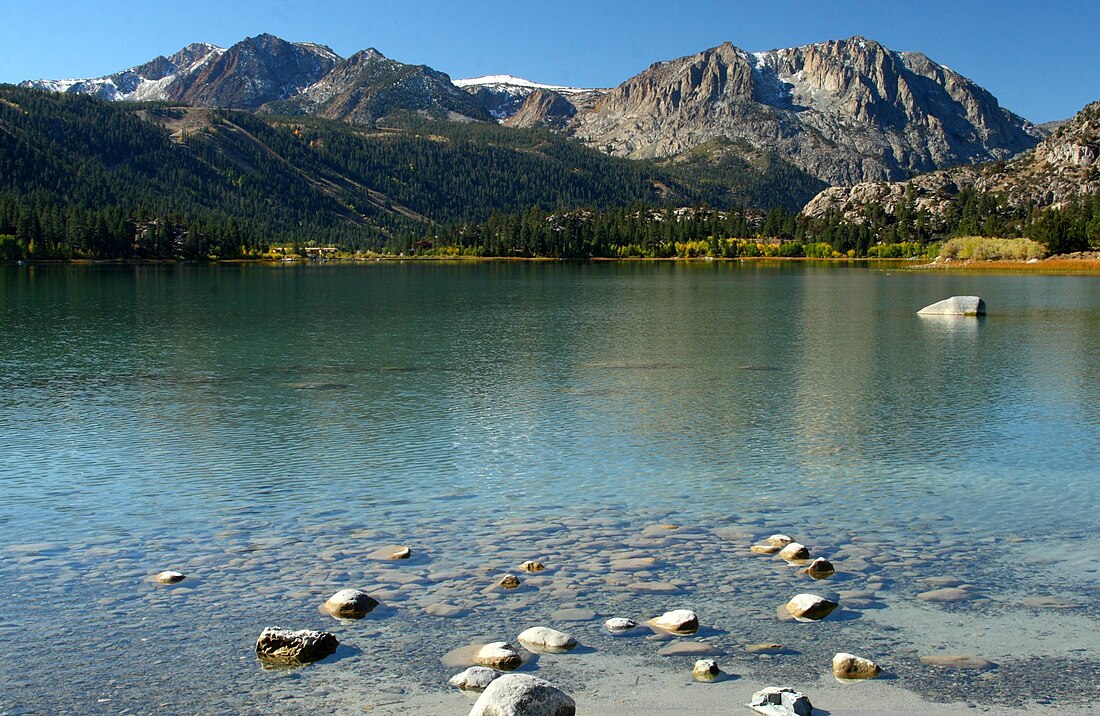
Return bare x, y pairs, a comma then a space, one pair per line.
845, 110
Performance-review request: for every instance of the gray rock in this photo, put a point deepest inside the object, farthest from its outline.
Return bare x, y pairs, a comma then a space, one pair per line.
523, 695
781, 701
169, 577
350, 604
543, 640
284, 647
476, 678
618, 625
955, 306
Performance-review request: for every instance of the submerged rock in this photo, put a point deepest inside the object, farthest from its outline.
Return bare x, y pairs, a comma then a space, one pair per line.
781, 701
475, 678
678, 621
543, 640
705, 670
498, 655
810, 607
350, 604
954, 661
764, 548
391, 551
850, 666
955, 306
284, 647
946, 594
688, 648
169, 577
523, 695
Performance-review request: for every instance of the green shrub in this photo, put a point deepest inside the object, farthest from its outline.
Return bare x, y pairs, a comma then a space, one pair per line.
981, 248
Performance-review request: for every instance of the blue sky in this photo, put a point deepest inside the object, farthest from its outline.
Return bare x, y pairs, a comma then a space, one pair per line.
1041, 59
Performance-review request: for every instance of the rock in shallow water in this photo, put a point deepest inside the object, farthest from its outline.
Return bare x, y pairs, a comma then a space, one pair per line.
850, 666
169, 577
523, 695
794, 551
350, 604
705, 670
498, 655
284, 647
810, 607
475, 678
781, 701
532, 566
618, 625
543, 640
947, 594
678, 621
820, 568
509, 581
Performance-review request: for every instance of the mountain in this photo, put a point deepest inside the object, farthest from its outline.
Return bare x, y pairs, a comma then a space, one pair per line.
268, 74
367, 86
846, 111
504, 96
252, 73
149, 81
1063, 167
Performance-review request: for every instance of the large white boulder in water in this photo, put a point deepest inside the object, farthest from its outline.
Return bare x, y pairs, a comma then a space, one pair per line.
523, 695
955, 306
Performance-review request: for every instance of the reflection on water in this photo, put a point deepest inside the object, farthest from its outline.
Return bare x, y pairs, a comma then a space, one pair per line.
263, 427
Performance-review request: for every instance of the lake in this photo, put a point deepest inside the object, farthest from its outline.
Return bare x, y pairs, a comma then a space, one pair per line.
264, 428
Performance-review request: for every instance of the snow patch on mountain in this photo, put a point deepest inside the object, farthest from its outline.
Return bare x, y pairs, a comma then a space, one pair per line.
520, 84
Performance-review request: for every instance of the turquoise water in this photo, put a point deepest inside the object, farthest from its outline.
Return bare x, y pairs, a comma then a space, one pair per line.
261, 427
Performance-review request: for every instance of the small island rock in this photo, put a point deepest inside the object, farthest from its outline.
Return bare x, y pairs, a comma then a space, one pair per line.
955, 306
705, 670
764, 549
810, 607
543, 640
498, 655
350, 604
293, 648
781, 701
523, 695
532, 566
779, 540
169, 577
509, 581
678, 621
476, 678
850, 666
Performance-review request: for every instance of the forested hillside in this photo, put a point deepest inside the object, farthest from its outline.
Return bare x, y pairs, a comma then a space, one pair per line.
82, 177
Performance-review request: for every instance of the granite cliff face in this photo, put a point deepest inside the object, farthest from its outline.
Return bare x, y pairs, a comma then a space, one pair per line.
1064, 166
846, 111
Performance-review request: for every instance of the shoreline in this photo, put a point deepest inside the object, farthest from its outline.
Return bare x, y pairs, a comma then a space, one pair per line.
1053, 265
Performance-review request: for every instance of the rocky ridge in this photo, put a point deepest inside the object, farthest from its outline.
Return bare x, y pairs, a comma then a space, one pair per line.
846, 111
1064, 166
